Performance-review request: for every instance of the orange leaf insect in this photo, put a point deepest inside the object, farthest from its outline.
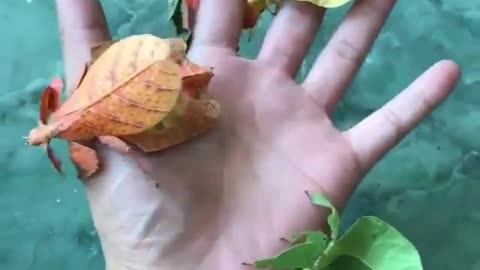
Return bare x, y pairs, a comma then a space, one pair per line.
49, 102
140, 90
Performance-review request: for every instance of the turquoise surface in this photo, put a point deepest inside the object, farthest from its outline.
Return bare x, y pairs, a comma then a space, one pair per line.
428, 186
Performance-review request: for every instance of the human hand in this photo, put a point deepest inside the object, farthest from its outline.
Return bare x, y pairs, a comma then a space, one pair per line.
228, 197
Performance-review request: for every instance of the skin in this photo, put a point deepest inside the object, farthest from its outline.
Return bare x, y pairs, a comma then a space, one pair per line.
228, 197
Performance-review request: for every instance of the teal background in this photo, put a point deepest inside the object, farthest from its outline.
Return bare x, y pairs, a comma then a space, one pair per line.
428, 186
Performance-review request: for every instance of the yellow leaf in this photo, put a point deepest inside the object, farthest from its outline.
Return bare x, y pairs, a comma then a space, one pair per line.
327, 3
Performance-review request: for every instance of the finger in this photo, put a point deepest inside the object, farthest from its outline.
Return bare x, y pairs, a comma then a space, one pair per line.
82, 24
337, 64
218, 24
290, 35
378, 133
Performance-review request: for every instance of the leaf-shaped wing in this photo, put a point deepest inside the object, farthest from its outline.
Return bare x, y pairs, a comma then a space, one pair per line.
50, 99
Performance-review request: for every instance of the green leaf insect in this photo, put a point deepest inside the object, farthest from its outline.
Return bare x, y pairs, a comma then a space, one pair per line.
297, 256
303, 251
307, 246
317, 238
369, 244
377, 244
333, 219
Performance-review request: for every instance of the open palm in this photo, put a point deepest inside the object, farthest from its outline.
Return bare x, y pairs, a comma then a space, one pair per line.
229, 196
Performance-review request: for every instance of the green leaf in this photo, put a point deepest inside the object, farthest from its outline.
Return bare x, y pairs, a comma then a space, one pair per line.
173, 7
347, 263
333, 219
175, 15
297, 256
185, 34
377, 244
327, 3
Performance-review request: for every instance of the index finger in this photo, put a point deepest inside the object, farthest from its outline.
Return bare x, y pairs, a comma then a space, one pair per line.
218, 23
81, 24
